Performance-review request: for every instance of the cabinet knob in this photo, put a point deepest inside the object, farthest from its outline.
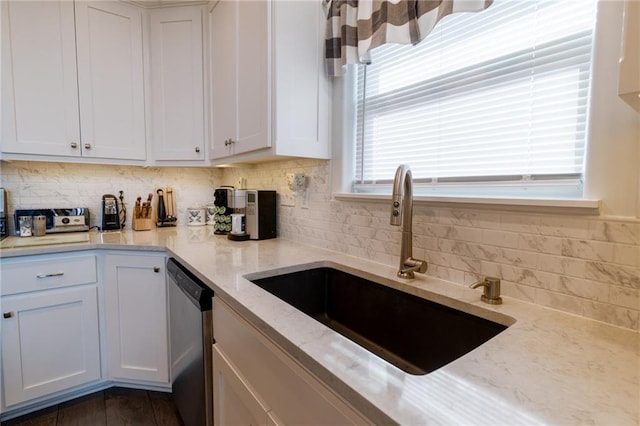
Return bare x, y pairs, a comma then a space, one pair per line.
87, 146
74, 145
197, 149
8, 314
156, 269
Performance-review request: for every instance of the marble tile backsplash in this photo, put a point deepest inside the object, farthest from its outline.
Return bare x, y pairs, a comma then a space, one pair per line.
60, 185
588, 266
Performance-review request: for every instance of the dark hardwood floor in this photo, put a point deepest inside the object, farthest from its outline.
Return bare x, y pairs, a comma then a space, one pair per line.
111, 407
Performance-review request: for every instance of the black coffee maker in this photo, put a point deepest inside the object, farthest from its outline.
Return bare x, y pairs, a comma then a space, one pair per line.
110, 213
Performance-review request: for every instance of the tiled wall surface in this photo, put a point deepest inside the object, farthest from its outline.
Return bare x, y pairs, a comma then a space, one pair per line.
588, 266
59, 185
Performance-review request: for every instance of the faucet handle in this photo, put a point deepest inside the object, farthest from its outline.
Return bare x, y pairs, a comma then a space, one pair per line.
491, 290
411, 265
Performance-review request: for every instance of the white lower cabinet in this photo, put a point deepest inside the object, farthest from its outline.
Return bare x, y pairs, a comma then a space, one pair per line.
50, 332
235, 403
136, 318
257, 383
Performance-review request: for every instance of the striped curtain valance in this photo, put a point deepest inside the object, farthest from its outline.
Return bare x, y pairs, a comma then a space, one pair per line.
356, 26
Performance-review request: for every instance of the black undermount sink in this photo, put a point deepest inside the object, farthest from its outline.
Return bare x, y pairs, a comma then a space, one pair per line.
412, 333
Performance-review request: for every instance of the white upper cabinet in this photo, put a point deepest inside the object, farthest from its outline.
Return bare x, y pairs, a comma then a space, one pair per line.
39, 79
224, 107
48, 107
177, 86
269, 95
629, 79
111, 80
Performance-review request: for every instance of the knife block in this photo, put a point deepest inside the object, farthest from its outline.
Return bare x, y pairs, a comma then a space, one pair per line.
140, 223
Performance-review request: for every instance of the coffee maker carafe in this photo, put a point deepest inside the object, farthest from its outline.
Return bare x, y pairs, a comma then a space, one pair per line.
110, 213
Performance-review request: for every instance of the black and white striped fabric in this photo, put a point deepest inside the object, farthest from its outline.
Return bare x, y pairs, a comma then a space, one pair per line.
356, 26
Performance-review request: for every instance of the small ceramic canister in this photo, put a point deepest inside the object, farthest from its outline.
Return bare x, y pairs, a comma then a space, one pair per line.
26, 225
211, 214
196, 216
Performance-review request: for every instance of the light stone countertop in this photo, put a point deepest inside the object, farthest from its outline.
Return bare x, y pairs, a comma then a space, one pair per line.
548, 367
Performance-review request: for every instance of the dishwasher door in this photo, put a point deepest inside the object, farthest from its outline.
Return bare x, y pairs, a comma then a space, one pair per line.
191, 339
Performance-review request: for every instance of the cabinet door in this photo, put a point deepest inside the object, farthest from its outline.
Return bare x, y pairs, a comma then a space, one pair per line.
50, 342
290, 393
177, 83
224, 106
39, 79
110, 80
253, 75
234, 402
136, 316
240, 77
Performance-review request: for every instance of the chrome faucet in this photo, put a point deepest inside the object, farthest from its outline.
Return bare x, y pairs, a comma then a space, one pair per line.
402, 214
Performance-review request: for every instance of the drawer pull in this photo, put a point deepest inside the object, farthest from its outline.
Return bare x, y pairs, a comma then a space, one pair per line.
55, 274
156, 269
8, 314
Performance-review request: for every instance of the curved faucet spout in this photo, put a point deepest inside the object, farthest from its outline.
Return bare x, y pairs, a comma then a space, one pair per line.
402, 214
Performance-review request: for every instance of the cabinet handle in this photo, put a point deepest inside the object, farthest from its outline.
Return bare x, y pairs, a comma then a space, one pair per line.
55, 274
8, 314
156, 269
197, 149
229, 142
74, 145
87, 146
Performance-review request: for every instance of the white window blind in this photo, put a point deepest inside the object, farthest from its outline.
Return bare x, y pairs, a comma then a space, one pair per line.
496, 96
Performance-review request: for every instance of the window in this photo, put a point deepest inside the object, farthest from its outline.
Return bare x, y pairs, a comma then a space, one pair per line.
490, 103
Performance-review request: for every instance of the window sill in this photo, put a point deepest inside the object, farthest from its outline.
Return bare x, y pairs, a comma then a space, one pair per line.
540, 205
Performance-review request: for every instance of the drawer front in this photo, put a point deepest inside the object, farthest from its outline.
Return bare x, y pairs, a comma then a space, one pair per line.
46, 272
286, 389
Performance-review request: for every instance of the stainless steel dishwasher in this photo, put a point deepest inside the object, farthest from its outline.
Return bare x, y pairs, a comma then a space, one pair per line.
191, 332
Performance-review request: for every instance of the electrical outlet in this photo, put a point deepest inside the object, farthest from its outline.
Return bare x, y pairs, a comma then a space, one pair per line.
290, 181
299, 182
